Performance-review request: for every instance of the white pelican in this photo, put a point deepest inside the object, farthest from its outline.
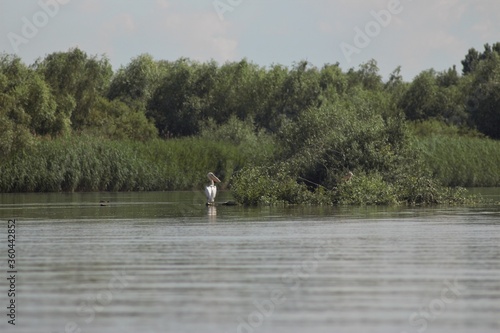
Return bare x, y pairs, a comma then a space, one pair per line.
211, 190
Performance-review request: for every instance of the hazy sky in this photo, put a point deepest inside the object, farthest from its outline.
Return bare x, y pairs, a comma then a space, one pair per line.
416, 34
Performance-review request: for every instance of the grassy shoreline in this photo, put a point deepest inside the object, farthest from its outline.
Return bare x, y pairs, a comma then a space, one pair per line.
86, 163
462, 161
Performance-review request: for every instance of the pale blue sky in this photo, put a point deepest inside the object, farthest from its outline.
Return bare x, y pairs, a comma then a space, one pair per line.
420, 34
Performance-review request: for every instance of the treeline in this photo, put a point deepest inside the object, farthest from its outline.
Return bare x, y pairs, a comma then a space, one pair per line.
73, 92
309, 124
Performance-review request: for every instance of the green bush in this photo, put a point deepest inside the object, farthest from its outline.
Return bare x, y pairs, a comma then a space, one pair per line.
271, 186
365, 190
275, 186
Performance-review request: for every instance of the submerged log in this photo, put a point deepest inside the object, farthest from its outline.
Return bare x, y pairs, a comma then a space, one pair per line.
226, 203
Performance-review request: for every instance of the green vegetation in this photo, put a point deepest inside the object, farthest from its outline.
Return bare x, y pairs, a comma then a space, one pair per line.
458, 156
274, 134
462, 161
86, 163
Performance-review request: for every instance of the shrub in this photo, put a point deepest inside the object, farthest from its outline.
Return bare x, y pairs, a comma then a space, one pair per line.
366, 190
271, 186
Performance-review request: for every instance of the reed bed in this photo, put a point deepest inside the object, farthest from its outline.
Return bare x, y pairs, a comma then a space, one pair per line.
86, 163
462, 161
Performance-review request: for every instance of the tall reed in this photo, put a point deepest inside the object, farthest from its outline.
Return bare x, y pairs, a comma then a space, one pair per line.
86, 163
462, 161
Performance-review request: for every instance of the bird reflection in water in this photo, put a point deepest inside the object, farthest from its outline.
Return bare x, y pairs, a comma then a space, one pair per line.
212, 214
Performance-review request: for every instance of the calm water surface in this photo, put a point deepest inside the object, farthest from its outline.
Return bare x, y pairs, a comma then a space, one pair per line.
163, 262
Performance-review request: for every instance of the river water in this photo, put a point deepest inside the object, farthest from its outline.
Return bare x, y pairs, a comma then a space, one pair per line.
163, 262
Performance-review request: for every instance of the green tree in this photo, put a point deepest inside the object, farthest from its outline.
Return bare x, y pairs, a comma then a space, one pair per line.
448, 78
483, 90
419, 100
77, 81
27, 107
396, 87
117, 120
238, 90
179, 104
473, 57
136, 83
333, 82
367, 76
270, 88
300, 90
434, 95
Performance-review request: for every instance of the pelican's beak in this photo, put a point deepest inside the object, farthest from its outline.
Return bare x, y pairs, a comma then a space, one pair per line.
213, 177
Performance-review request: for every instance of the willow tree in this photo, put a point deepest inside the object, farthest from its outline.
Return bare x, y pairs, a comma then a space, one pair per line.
77, 81
180, 102
483, 90
135, 83
27, 106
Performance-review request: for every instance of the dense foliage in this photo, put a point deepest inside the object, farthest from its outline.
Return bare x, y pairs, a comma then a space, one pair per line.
275, 134
86, 163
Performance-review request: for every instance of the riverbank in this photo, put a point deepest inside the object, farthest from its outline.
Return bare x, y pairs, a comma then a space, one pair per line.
85, 163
